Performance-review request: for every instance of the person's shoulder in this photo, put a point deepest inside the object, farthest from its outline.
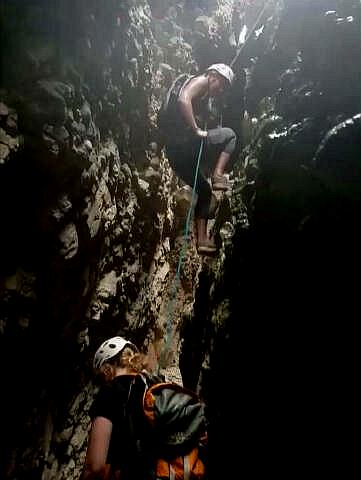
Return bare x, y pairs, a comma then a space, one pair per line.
119, 384
196, 85
123, 381
110, 396
199, 78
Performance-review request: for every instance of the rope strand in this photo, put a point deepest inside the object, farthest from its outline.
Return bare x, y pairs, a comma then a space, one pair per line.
169, 327
250, 33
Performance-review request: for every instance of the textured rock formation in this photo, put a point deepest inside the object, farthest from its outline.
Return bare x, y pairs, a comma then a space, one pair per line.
92, 219
92, 216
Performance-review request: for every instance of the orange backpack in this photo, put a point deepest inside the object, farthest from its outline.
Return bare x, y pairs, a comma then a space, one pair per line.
176, 430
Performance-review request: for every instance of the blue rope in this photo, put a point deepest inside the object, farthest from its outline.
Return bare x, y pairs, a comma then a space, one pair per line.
169, 328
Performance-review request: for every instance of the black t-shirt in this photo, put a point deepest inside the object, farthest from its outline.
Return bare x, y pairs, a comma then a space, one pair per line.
120, 402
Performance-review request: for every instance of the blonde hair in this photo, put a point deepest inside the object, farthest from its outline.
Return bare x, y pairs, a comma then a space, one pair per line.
129, 359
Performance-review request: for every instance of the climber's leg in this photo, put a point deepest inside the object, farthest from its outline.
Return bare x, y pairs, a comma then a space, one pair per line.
223, 139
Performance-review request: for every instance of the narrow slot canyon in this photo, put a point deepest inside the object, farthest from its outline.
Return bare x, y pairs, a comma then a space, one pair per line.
97, 238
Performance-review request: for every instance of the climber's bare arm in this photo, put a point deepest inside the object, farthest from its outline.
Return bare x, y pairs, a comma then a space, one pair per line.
196, 88
99, 439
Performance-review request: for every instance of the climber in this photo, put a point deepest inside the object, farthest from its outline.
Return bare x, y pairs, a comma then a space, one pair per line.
137, 417
109, 446
183, 118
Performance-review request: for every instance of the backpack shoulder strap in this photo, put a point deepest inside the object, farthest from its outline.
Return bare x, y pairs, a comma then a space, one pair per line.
130, 409
177, 87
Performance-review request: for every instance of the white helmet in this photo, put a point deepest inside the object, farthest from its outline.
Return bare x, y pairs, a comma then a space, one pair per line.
223, 70
109, 348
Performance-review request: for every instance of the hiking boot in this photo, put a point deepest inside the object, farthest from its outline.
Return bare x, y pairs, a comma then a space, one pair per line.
206, 248
220, 182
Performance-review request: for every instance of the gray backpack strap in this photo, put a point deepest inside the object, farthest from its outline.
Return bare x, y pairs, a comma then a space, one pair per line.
172, 88
187, 468
171, 473
184, 84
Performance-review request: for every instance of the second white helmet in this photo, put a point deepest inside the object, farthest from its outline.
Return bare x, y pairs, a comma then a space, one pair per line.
109, 348
223, 70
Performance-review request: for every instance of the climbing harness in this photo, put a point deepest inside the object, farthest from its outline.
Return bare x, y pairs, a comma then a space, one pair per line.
169, 327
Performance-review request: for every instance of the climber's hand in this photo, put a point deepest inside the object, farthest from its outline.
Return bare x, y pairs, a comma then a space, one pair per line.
201, 133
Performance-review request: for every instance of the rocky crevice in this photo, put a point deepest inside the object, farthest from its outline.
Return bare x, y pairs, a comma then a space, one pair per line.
92, 215
276, 306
